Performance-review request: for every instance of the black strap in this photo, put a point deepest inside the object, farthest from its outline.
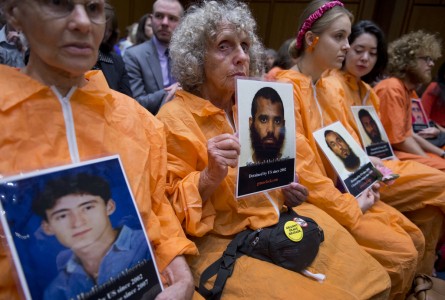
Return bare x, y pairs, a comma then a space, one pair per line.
223, 268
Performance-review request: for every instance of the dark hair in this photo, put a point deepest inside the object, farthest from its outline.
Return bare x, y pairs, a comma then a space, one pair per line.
269, 94
140, 32
366, 26
108, 45
363, 113
2, 17
329, 132
284, 59
80, 184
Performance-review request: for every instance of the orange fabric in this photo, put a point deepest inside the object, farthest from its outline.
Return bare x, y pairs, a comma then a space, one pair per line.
395, 109
432, 105
381, 229
419, 187
271, 75
395, 114
106, 122
190, 121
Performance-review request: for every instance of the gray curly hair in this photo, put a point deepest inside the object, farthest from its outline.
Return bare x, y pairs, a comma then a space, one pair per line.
189, 42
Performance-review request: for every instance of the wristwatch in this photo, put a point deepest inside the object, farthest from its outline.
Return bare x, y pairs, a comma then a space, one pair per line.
443, 154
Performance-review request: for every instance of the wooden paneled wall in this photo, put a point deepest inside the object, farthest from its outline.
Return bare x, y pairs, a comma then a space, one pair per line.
277, 19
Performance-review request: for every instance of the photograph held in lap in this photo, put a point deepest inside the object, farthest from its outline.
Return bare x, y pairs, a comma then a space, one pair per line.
60, 113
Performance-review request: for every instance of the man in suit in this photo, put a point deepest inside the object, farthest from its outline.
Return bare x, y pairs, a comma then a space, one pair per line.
148, 64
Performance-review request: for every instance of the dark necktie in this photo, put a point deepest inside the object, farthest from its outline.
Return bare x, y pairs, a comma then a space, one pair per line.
170, 77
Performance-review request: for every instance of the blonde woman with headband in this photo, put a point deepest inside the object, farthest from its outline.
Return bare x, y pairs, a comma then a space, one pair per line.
321, 44
418, 193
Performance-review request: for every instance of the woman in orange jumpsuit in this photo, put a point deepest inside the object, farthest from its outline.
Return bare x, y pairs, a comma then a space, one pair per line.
321, 44
55, 112
215, 42
418, 193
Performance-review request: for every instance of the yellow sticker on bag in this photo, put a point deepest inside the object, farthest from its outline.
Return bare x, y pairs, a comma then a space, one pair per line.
293, 231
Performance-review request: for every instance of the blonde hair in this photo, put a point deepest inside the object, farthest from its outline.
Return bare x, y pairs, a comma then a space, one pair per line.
320, 25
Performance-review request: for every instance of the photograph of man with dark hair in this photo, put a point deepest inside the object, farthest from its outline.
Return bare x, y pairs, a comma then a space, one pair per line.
417, 114
76, 209
370, 126
267, 126
342, 150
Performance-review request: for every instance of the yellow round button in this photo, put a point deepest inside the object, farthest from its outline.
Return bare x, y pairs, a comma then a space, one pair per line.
293, 231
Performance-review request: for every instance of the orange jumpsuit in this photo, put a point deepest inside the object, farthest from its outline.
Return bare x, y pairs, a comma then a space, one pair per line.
190, 122
418, 193
395, 114
105, 122
382, 231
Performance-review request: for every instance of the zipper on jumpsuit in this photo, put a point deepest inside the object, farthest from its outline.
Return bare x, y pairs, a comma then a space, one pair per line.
69, 122
314, 90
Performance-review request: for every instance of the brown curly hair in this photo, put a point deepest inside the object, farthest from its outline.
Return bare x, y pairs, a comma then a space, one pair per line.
404, 51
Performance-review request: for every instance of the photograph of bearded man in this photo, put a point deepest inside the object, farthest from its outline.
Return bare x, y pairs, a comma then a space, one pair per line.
370, 126
267, 126
342, 150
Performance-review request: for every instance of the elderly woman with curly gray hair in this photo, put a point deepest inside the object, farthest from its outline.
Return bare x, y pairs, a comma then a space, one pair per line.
216, 42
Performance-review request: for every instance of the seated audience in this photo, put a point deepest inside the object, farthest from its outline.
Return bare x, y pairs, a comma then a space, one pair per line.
322, 44
215, 42
411, 58
418, 193
149, 64
144, 31
271, 56
283, 61
129, 39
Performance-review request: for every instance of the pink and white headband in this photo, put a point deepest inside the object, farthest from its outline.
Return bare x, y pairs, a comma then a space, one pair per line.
312, 18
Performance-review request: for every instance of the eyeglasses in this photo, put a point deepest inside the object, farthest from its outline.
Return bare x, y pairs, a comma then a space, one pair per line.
426, 59
95, 9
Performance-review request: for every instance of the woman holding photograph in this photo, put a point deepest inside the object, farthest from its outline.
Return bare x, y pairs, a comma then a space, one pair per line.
322, 44
203, 150
58, 112
418, 193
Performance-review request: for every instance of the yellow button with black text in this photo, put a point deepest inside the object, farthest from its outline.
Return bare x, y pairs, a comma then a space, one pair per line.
293, 231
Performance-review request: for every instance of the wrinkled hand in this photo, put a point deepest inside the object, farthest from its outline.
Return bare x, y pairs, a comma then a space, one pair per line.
179, 281
429, 133
222, 152
367, 199
295, 193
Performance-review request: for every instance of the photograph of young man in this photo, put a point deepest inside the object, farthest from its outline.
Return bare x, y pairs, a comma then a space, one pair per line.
76, 209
